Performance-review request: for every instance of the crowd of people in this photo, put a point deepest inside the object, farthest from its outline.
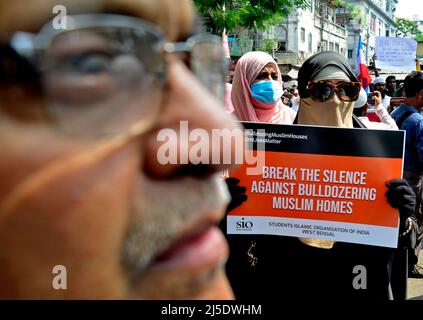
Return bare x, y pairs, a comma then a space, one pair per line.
329, 94
88, 212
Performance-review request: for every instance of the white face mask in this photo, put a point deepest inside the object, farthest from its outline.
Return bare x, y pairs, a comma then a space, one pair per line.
332, 112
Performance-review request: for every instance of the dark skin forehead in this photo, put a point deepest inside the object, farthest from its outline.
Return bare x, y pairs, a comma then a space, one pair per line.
30, 15
37, 13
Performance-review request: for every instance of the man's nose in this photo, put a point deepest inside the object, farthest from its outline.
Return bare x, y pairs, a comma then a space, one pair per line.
199, 125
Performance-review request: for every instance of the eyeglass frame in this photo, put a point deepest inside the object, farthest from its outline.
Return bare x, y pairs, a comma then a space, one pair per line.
30, 47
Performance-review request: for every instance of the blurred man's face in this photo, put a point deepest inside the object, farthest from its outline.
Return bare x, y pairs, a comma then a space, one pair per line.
379, 86
419, 100
391, 85
294, 92
102, 214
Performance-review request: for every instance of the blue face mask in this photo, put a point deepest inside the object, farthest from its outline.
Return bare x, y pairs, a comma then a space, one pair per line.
267, 91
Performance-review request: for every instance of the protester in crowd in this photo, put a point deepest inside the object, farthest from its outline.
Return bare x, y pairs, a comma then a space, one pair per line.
379, 84
361, 107
391, 86
86, 209
400, 91
294, 90
286, 98
398, 99
409, 118
257, 90
295, 98
319, 269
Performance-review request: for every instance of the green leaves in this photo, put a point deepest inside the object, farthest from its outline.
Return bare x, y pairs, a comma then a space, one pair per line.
250, 14
408, 29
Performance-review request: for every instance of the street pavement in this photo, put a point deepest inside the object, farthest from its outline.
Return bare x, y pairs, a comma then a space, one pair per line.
415, 286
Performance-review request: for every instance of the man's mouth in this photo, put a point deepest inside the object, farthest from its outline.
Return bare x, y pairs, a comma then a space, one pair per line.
177, 244
201, 250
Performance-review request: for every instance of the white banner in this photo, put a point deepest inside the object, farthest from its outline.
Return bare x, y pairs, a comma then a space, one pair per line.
327, 230
397, 54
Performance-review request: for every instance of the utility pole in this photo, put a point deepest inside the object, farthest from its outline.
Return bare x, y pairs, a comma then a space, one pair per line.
367, 45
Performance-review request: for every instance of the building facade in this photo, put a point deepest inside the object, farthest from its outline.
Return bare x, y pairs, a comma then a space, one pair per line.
305, 32
375, 19
324, 26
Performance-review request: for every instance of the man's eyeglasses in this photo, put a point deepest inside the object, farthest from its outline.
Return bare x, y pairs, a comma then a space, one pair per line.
106, 72
323, 90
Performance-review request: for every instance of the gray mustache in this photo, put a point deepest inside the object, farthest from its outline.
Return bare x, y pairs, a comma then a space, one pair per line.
161, 211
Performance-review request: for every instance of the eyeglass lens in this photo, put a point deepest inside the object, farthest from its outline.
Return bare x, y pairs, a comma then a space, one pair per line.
208, 64
101, 80
106, 79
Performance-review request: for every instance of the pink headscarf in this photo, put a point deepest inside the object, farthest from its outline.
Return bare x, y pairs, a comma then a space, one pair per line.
246, 107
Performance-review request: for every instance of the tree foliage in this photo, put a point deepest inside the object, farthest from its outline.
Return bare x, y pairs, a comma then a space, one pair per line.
250, 14
407, 28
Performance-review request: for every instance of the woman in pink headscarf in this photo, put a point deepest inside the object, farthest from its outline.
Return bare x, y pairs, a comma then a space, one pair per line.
257, 89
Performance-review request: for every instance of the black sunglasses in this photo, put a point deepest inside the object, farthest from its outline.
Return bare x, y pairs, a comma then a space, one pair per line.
323, 90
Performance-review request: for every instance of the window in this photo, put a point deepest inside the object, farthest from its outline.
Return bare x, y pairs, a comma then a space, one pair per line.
322, 46
330, 46
336, 47
380, 28
280, 35
302, 35
350, 54
373, 23
281, 46
310, 42
387, 6
386, 30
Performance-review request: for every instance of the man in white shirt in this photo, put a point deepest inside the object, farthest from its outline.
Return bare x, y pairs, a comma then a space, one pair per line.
379, 84
361, 109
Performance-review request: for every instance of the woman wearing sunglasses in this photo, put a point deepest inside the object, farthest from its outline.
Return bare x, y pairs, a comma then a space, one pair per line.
314, 268
328, 89
257, 90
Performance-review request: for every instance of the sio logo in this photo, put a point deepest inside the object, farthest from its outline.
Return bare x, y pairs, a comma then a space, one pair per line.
244, 225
